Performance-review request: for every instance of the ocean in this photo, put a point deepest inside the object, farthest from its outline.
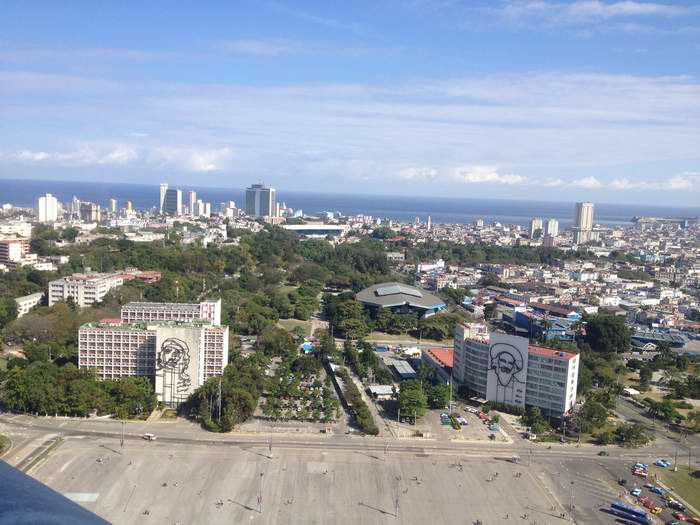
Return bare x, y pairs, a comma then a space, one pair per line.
442, 210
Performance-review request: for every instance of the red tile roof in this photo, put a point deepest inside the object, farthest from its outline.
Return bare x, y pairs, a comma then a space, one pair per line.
551, 352
444, 356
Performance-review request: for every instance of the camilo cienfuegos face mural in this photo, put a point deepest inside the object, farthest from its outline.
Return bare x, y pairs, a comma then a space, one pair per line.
507, 369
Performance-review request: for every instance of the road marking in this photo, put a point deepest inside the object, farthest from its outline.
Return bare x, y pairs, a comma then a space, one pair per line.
82, 497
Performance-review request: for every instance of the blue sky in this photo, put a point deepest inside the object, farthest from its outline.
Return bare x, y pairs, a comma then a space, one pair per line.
539, 99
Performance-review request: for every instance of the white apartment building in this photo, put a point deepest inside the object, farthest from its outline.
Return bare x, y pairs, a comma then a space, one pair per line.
506, 369
13, 251
16, 228
209, 310
84, 288
27, 302
180, 357
47, 208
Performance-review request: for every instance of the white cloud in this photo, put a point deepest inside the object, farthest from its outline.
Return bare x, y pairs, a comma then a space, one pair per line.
418, 173
180, 158
587, 183
486, 175
193, 160
585, 11
84, 156
263, 48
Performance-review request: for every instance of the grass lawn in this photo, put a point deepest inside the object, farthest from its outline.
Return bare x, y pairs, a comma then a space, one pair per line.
290, 324
404, 338
682, 483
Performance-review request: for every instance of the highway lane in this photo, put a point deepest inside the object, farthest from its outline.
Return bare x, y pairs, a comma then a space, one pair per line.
525, 450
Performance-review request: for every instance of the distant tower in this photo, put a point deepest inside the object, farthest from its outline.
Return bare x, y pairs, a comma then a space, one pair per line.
260, 201
552, 228
430, 223
47, 208
535, 228
163, 191
113, 205
172, 202
584, 222
193, 201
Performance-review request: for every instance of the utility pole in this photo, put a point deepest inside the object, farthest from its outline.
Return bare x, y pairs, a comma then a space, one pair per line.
571, 503
219, 411
260, 494
396, 507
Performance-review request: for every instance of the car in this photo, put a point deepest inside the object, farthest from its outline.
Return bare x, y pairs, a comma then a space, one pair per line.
663, 463
636, 492
673, 522
679, 516
640, 473
603, 453
622, 481
641, 465
657, 510
462, 421
648, 485
148, 436
677, 505
694, 520
658, 490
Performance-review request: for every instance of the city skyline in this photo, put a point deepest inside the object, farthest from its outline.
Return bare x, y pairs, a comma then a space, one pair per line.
584, 100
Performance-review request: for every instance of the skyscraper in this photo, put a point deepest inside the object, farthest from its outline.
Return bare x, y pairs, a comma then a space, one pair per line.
192, 201
113, 205
535, 228
47, 208
551, 228
260, 201
163, 191
584, 222
584, 215
172, 202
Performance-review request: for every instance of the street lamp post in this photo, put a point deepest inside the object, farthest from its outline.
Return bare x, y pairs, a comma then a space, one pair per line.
260, 493
571, 503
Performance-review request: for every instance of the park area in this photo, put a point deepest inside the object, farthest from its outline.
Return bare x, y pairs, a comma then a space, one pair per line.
685, 482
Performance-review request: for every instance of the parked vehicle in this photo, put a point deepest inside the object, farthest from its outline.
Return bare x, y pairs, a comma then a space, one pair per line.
679, 516
603, 453
695, 521
663, 463
658, 490
148, 436
636, 492
622, 481
677, 505
640, 473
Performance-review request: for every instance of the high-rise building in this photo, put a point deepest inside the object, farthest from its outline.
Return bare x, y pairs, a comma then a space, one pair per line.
89, 212
584, 215
535, 228
47, 208
583, 225
429, 224
507, 369
551, 227
192, 200
172, 204
178, 357
260, 201
129, 206
163, 191
113, 205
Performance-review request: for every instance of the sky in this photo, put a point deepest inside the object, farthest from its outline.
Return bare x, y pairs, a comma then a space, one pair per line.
528, 99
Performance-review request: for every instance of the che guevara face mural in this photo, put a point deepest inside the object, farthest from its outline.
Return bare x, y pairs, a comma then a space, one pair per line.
174, 358
506, 370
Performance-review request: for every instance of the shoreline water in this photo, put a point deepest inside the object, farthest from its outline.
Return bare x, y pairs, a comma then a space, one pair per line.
400, 208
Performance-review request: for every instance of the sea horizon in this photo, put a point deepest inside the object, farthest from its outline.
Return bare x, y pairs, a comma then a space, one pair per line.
402, 208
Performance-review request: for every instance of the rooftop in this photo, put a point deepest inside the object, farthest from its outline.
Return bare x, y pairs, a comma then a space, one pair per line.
398, 294
552, 353
444, 356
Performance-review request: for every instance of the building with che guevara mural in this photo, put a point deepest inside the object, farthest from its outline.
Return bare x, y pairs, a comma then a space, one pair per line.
179, 356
